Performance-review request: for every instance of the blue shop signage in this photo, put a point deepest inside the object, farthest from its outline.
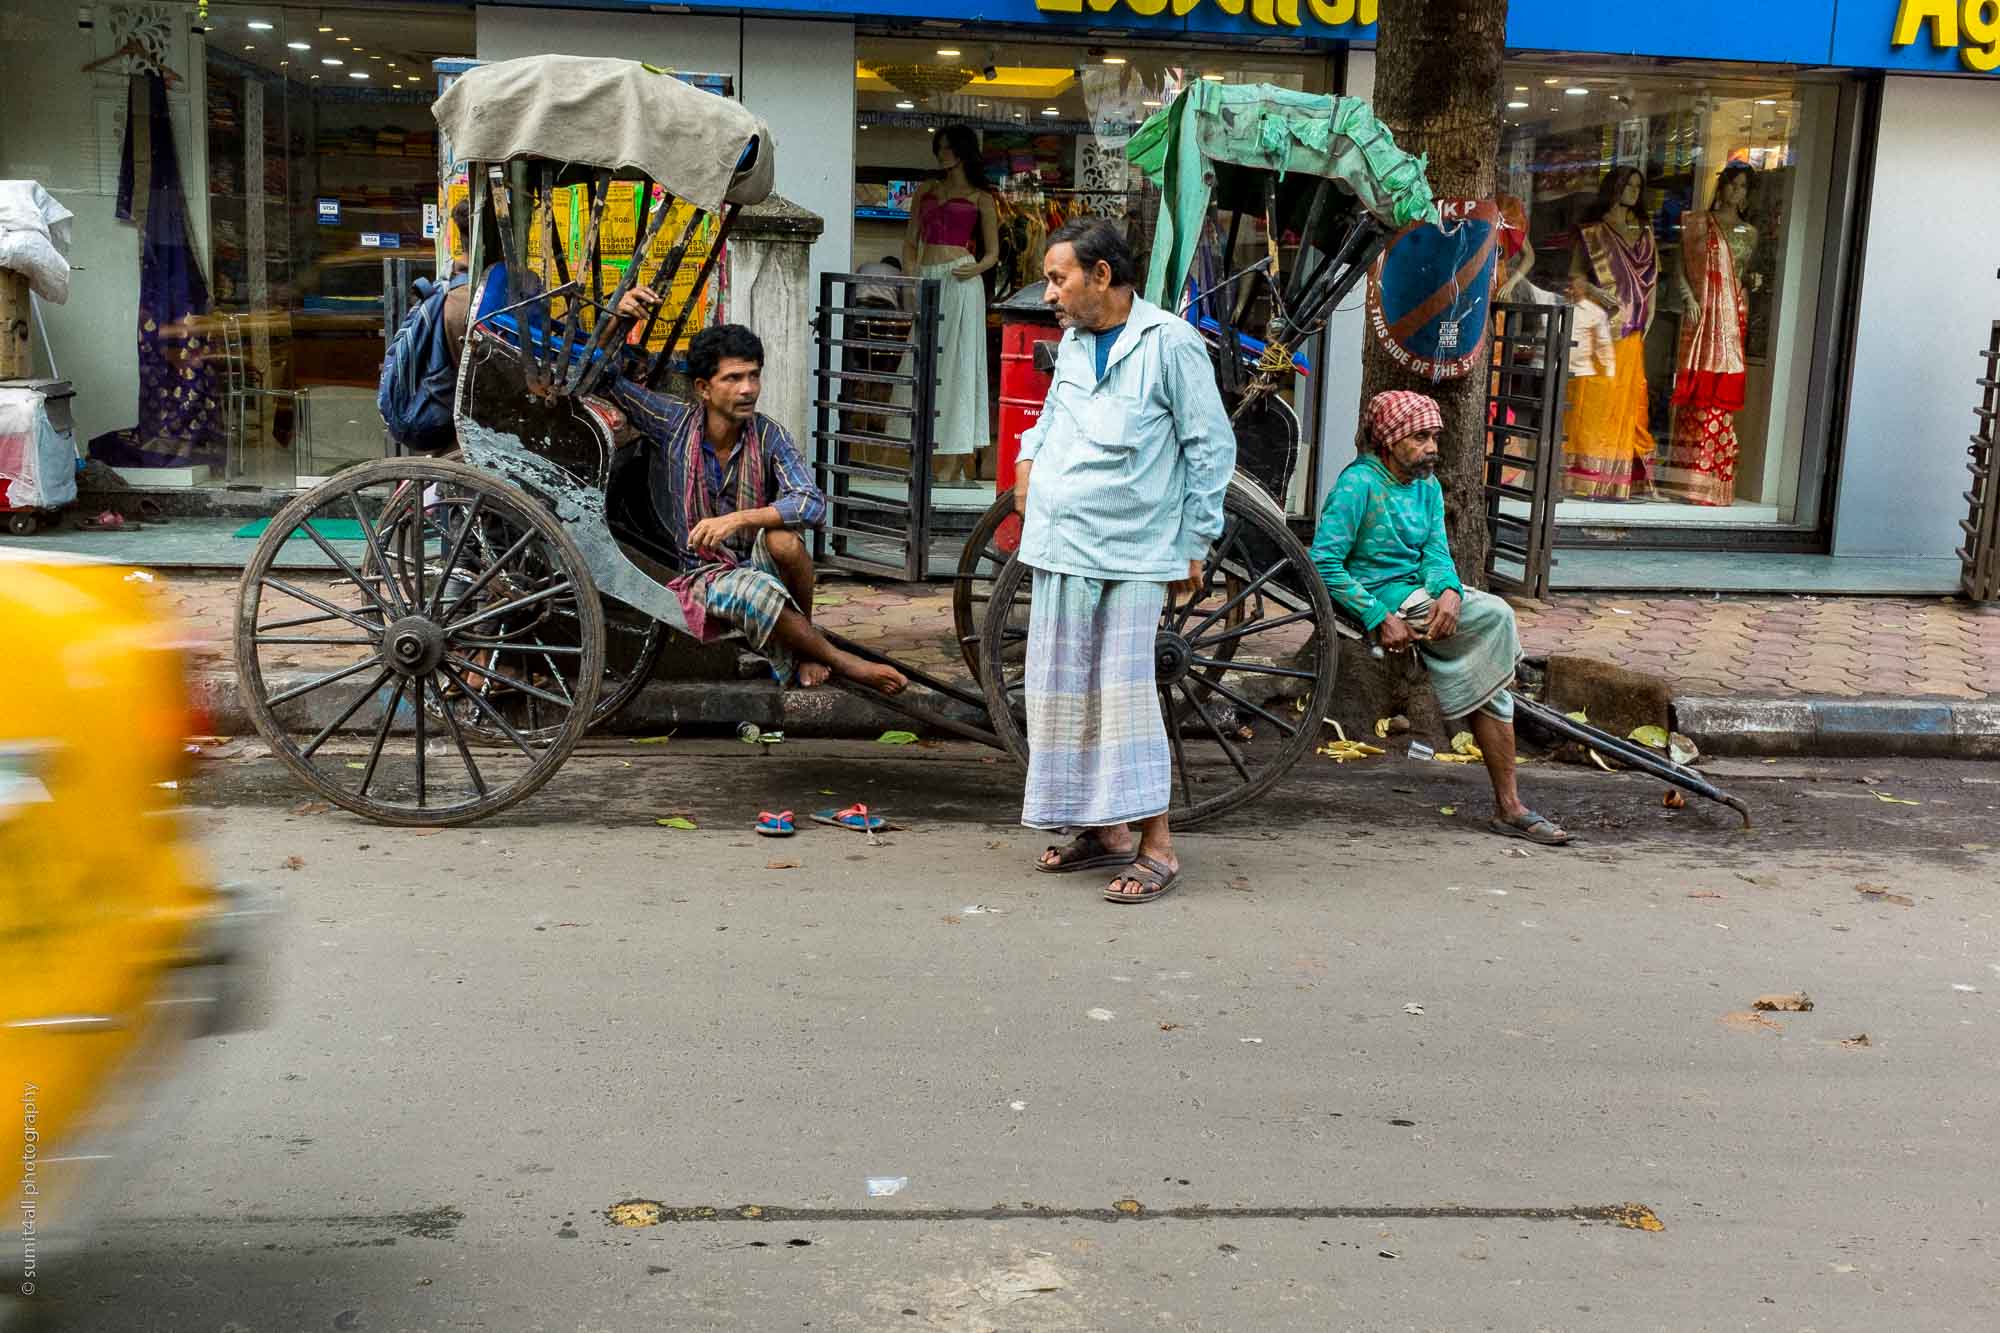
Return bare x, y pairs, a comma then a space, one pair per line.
1918, 36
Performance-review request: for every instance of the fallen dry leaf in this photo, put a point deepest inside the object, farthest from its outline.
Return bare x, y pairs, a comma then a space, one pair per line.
425, 832
1168, 1027
1673, 800
781, 865
1704, 893
311, 808
1879, 893
1794, 1002
1638, 1217
1857, 1040
952, 920
1240, 884
994, 845
1745, 1021
637, 1213
293, 863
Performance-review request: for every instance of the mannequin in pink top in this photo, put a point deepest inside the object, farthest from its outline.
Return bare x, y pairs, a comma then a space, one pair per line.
949, 214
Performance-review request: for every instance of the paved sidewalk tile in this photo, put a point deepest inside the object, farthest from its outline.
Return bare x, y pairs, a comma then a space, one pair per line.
1771, 646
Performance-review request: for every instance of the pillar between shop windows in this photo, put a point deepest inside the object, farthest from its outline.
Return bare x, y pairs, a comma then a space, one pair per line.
767, 285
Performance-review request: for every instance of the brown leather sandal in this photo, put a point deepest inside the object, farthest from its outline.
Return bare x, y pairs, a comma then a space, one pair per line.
1086, 851
1155, 878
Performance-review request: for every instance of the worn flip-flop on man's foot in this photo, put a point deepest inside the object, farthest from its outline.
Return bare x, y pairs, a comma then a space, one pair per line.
1156, 879
1086, 851
777, 825
1535, 828
855, 817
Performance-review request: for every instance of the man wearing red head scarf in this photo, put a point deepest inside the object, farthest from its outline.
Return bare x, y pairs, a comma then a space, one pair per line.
1381, 550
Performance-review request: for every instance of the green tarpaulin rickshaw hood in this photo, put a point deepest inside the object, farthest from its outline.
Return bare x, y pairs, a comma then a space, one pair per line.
1261, 126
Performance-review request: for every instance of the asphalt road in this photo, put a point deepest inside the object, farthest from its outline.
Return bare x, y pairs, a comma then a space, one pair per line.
1371, 1069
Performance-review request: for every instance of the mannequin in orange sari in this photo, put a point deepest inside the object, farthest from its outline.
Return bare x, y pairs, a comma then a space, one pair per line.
1609, 450
1700, 467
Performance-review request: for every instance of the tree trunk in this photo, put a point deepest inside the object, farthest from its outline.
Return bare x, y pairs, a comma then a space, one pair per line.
1437, 87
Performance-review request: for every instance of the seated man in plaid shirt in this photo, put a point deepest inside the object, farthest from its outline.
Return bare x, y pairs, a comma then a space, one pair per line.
729, 495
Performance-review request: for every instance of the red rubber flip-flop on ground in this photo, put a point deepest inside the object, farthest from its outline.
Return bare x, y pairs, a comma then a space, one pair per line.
855, 817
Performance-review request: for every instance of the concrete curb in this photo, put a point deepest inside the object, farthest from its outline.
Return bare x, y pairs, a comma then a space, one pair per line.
1720, 725
1834, 727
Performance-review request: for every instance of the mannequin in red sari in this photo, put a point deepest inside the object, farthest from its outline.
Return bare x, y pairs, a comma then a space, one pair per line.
1700, 467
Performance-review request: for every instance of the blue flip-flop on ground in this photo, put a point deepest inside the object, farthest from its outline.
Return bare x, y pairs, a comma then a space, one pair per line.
777, 825
855, 817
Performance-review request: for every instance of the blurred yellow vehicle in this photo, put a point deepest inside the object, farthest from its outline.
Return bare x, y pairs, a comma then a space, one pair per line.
115, 945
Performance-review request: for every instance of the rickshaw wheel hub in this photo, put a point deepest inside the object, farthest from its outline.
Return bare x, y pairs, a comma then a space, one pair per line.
1170, 658
413, 646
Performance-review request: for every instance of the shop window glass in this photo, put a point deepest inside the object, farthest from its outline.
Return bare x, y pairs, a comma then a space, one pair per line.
1052, 122
321, 170
1683, 212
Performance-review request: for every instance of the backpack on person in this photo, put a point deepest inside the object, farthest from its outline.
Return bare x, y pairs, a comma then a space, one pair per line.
419, 375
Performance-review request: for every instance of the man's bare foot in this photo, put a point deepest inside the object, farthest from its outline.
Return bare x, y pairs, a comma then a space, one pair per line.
813, 673
874, 675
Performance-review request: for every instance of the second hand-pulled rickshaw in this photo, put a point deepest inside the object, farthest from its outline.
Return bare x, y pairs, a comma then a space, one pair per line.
461, 639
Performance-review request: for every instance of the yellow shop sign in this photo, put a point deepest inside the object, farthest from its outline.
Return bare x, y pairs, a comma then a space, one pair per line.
1269, 13
1972, 26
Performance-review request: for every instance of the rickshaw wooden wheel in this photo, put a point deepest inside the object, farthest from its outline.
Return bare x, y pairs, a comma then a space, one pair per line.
450, 615
1245, 670
633, 641
987, 551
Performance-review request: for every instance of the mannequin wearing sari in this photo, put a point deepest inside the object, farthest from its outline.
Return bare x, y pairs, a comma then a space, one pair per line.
1609, 448
1700, 466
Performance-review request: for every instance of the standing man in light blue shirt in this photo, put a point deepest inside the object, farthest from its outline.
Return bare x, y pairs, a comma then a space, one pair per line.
1120, 483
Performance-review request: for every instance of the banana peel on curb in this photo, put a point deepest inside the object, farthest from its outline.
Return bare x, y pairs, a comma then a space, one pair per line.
1341, 751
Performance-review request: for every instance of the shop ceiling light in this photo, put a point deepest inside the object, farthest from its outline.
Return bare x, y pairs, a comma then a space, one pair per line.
325, 27
924, 80
343, 39
357, 74
1051, 111
329, 60
299, 46
906, 105
1150, 101
1576, 92
1517, 106
1550, 83
1767, 101
1215, 78
258, 25
1114, 60
1520, 87
949, 51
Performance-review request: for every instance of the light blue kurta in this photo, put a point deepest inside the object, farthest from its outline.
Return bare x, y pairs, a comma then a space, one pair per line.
1129, 469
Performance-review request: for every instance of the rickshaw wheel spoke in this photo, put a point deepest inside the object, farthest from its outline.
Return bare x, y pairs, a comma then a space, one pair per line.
360, 731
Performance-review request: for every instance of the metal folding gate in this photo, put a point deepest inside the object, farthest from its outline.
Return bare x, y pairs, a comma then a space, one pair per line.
1979, 558
1524, 411
875, 421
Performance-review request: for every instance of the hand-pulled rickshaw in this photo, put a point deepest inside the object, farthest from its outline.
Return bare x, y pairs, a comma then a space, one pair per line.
504, 600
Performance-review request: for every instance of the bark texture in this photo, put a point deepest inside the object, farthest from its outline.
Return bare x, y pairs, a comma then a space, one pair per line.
1437, 87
